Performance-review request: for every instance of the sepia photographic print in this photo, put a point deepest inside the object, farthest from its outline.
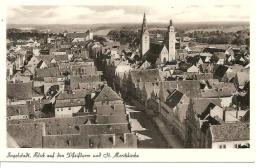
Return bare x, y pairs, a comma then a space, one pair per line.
111, 80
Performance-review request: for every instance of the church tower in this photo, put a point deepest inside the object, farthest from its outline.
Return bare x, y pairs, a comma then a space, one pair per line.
145, 40
170, 42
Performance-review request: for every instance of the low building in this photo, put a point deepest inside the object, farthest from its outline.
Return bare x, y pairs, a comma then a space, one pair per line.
233, 135
74, 101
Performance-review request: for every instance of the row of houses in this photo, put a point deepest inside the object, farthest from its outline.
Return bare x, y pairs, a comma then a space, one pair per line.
58, 99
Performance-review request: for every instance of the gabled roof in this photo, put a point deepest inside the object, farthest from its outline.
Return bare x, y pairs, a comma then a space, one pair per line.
191, 88
230, 132
107, 94
153, 54
200, 105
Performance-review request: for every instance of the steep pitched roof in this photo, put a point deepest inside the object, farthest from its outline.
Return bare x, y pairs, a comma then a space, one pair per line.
174, 98
153, 54
190, 88
148, 75
220, 71
201, 104
167, 87
230, 132
107, 94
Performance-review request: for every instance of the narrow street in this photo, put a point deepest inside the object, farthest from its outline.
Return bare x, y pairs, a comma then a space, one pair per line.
148, 134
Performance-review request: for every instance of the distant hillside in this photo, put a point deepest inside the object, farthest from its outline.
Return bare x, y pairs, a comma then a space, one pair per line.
56, 28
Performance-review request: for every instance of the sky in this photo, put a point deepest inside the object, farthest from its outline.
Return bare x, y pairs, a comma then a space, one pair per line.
158, 11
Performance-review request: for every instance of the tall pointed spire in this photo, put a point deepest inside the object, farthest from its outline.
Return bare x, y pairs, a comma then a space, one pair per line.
144, 26
171, 22
145, 41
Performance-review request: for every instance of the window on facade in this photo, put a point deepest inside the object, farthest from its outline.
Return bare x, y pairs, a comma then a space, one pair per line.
57, 109
61, 109
222, 146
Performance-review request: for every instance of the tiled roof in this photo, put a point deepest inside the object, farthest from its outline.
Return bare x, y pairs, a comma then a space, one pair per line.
116, 109
27, 134
190, 88
76, 80
22, 109
148, 75
107, 94
20, 91
63, 126
230, 132
74, 94
201, 104
97, 129
48, 72
218, 93
111, 119
70, 103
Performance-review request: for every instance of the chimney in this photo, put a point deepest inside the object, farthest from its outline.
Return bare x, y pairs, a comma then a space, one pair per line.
236, 114
125, 138
224, 115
